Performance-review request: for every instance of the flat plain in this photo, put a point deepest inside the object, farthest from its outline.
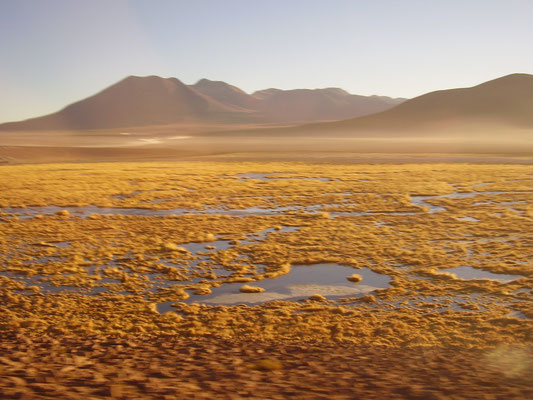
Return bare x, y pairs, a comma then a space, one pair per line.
262, 269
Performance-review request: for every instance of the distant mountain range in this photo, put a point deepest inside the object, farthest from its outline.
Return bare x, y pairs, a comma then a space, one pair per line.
497, 106
152, 100
502, 102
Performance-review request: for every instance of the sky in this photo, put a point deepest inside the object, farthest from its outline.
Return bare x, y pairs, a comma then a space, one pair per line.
55, 52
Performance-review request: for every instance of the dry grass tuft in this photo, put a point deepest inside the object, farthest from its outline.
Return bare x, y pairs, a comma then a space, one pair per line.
251, 289
355, 278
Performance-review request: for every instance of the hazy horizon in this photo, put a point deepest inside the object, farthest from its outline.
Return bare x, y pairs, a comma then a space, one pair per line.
59, 51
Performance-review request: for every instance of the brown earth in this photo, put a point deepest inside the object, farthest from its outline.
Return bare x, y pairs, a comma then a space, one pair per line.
36, 154
90, 146
170, 367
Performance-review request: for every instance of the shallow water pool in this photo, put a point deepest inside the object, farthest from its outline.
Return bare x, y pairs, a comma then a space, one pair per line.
466, 272
303, 281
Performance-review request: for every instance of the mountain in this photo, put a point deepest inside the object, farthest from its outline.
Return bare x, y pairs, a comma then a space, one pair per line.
134, 101
226, 93
144, 101
298, 105
302, 105
506, 101
152, 100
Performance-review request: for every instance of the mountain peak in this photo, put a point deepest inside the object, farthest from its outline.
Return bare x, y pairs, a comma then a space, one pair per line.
149, 79
220, 85
133, 101
509, 81
137, 78
337, 91
224, 93
205, 81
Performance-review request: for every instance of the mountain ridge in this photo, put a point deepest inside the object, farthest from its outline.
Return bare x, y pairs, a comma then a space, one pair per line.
152, 100
500, 102
507, 100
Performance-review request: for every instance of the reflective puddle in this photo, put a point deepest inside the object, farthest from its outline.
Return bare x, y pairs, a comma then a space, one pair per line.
275, 176
334, 214
466, 272
421, 200
189, 271
469, 219
246, 176
84, 212
517, 315
481, 184
328, 280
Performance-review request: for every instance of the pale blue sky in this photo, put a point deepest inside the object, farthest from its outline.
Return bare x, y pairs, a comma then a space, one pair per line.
55, 52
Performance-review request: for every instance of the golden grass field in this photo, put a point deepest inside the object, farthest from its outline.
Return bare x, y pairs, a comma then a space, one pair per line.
74, 270
235, 279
